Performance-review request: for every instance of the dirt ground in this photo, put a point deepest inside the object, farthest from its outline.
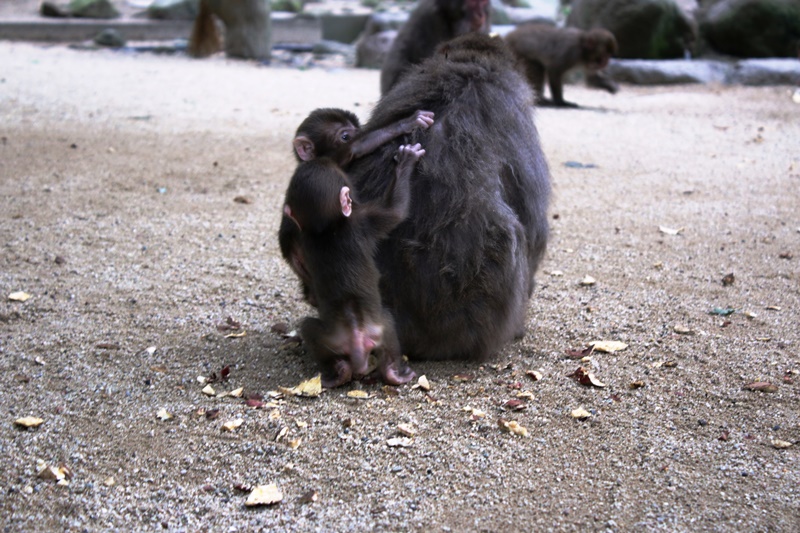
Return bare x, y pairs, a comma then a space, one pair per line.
122, 182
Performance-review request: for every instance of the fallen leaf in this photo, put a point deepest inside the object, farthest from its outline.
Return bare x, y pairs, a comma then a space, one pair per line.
232, 424
407, 430
19, 296
761, 386
587, 281
422, 383
579, 354
310, 388
208, 390
670, 231
722, 311
584, 377
535, 375
281, 328
781, 444
462, 377
109, 481
728, 279
161, 369
29, 422
636, 384
229, 325
282, 433
242, 200
400, 442
237, 393
683, 330
515, 405
264, 495
608, 346
309, 497
295, 443
358, 394
163, 414
786, 255
53, 473
512, 426
581, 414
236, 335
525, 395
772, 308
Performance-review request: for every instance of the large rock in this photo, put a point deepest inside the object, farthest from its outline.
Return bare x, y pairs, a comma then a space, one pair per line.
650, 72
645, 29
752, 28
94, 9
766, 72
173, 9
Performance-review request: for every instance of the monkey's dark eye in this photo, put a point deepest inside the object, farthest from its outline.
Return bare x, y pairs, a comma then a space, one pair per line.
345, 137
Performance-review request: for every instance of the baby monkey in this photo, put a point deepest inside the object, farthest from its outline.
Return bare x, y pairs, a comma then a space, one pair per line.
335, 134
337, 238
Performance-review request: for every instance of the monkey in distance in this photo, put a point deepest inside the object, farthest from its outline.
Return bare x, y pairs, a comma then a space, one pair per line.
546, 51
335, 134
337, 237
431, 23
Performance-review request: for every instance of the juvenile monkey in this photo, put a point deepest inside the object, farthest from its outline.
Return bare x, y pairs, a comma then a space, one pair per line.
547, 51
335, 134
337, 237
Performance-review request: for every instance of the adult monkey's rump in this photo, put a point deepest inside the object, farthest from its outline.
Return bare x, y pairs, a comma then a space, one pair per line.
458, 272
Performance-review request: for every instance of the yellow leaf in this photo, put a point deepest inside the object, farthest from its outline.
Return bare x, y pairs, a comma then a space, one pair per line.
608, 346
264, 495
19, 296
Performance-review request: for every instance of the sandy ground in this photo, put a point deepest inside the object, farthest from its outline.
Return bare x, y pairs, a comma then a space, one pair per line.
118, 179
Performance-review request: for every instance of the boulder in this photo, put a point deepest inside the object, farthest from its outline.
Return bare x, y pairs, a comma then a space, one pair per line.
766, 72
752, 28
652, 72
173, 9
644, 29
93, 9
371, 50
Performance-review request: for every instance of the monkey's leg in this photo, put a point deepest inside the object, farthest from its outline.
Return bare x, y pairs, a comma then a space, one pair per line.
557, 89
392, 367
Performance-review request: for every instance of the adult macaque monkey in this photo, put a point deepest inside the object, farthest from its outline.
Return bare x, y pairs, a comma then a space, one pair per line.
335, 134
337, 237
458, 272
548, 51
430, 24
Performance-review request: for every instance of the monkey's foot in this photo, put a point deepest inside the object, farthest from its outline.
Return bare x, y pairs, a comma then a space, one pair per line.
546, 102
392, 375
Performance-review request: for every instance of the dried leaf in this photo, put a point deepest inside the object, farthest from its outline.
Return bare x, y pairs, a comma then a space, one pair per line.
407, 430
728, 279
281, 328
309, 497
242, 200
19, 296
515, 405
608, 346
636, 384
109, 481
163, 414
587, 281
264, 495
772, 308
229, 325
51, 473
535, 375
584, 377
29, 422
761, 386
236, 335
580, 354
208, 390
581, 414
400, 442
232, 424
358, 394
722, 311
670, 231
310, 388
683, 330
422, 383
781, 444
295, 443
463, 377
237, 393
512, 427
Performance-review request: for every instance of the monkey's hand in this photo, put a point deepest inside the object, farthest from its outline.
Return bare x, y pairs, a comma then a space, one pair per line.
420, 119
407, 156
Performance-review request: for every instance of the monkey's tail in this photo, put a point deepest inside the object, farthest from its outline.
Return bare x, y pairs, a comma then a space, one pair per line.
205, 38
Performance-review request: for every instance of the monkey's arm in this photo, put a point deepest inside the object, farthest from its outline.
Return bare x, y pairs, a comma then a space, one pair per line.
392, 208
371, 141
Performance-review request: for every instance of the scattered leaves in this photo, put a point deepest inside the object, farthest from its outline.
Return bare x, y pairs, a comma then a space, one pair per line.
163, 414
19, 296
584, 377
608, 346
407, 430
683, 330
761, 386
535, 375
308, 497
772, 308
208, 390
515, 405
722, 311
400, 442
463, 377
422, 383
295, 443
310, 388
781, 444
29, 422
638, 384
581, 414
232, 424
53, 473
109, 481
358, 394
264, 495
229, 325
587, 281
580, 354
237, 393
512, 427
670, 231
